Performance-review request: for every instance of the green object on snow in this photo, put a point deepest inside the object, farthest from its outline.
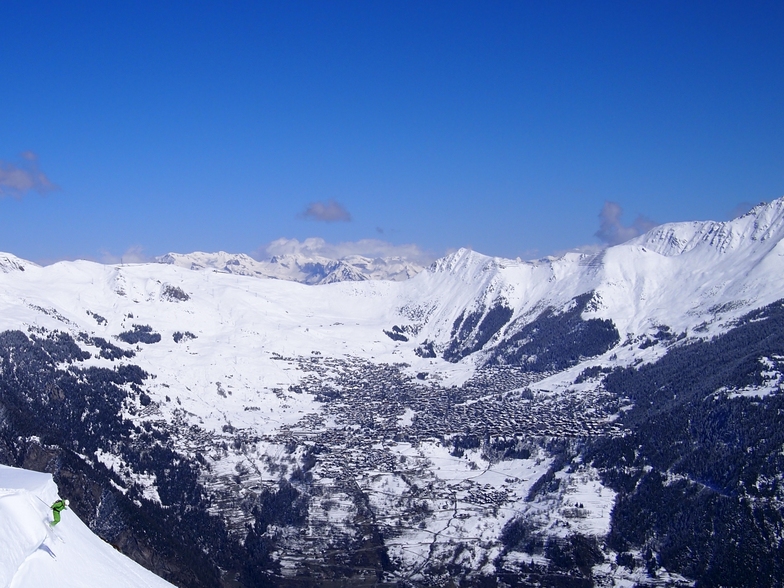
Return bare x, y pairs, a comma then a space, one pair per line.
57, 508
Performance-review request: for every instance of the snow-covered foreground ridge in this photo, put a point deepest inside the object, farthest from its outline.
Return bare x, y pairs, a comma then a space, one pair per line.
32, 554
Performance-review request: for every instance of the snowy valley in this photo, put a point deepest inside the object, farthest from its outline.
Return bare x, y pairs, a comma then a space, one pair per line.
568, 421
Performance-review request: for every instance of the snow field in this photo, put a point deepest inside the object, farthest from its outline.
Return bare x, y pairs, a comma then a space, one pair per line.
69, 555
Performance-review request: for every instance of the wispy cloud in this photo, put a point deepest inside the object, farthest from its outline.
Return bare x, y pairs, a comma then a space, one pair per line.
134, 254
612, 231
16, 180
328, 212
373, 248
589, 249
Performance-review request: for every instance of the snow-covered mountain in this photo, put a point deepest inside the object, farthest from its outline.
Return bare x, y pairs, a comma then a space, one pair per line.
682, 275
298, 267
473, 415
10, 263
721, 269
68, 555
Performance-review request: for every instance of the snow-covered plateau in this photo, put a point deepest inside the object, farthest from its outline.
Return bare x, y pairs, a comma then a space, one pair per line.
485, 420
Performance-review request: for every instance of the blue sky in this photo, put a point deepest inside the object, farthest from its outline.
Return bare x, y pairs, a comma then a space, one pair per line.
502, 126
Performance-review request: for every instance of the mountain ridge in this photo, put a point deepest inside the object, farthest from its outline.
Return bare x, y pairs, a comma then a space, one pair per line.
307, 269
631, 283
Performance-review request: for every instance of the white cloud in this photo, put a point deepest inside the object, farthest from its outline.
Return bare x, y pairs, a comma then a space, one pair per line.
590, 249
318, 247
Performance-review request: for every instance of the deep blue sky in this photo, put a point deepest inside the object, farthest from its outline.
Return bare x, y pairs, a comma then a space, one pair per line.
503, 126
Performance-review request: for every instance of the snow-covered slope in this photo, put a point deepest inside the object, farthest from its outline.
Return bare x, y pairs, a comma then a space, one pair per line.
762, 223
33, 554
718, 272
680, 275
307, 269
11, 263
359, 389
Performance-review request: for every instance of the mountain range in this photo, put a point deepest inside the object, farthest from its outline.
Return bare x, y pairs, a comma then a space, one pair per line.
586, 419
299, 267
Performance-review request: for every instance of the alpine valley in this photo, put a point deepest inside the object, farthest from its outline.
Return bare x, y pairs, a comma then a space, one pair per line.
604, 419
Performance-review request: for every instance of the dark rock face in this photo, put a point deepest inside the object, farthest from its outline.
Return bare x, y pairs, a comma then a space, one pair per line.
54, 412
552, 341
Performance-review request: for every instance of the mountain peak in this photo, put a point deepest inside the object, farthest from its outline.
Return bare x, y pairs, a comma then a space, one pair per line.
460, 261
11, 263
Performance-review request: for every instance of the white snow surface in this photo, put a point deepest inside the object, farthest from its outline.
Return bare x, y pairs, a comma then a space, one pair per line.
33, 554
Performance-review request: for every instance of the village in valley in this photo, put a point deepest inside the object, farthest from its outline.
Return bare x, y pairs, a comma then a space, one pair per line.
395, 463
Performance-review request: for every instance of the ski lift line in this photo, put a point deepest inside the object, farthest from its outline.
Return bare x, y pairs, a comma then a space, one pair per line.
450, 540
